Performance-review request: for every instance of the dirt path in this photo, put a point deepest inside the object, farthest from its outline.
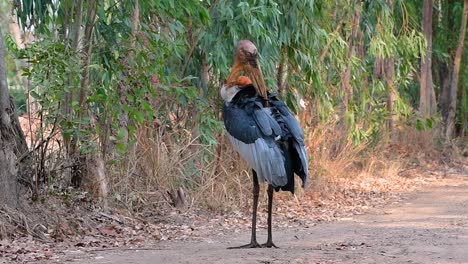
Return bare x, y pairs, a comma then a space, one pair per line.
430, 227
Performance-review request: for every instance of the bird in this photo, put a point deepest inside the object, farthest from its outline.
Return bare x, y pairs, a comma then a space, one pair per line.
263, 131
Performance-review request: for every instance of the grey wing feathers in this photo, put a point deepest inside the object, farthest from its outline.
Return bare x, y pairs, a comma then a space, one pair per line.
296, 132
262, 136
304, 162
266, 122
299, 145
266, 159
291, 122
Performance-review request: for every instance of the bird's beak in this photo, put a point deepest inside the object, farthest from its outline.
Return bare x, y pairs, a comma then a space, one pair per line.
254, 72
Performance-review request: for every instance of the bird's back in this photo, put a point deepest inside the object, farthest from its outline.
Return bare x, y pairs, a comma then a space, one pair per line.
269, 138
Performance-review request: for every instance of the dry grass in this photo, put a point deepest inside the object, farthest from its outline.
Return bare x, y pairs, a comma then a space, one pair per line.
163, 170
160, 168
338, 166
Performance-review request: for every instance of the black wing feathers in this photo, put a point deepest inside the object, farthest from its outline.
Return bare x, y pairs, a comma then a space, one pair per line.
247, 120
290, 121
240, 124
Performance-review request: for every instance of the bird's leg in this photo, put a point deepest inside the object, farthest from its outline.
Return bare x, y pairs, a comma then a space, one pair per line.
256, 190
269, 242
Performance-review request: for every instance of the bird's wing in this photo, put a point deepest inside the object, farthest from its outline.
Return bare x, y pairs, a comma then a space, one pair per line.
291, 122
267, 124
252, 132
295, 130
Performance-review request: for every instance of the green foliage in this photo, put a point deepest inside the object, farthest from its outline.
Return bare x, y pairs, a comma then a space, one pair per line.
20, 99
155, 76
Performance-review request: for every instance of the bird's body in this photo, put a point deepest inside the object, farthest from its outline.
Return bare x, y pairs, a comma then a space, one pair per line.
263, 131
268, 138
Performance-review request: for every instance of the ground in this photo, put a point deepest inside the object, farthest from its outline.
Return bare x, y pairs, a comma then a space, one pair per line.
427, 226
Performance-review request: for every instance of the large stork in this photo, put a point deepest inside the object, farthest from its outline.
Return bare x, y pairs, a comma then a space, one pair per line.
263, 131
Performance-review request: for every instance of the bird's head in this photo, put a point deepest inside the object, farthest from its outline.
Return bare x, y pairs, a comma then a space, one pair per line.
246, 60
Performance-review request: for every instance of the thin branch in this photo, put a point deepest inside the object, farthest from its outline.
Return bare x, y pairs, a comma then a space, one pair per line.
194, 43
327, 47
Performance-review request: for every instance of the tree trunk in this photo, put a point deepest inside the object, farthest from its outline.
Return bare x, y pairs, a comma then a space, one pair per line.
450, 123
96, 162
205, 71
68, 94
464, 114
389, 76
281, 71
76, 160
427, 95
66, 20
8, 169
445, 67
77, 25
346, 75
87, 47
362, 55
122, 90
135, 23
95, 170
445, 74
389, 68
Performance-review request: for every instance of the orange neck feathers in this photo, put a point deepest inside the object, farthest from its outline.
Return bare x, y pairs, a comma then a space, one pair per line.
243, 81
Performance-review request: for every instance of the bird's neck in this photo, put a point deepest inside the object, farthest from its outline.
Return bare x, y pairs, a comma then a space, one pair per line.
236, 70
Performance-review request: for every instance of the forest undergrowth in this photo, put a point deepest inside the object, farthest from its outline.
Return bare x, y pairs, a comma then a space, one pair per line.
154, 197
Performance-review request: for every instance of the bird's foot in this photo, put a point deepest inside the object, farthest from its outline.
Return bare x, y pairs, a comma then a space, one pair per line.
269, 244
252, 244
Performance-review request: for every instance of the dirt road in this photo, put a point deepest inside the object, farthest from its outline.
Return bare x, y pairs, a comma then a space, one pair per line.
431, 226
